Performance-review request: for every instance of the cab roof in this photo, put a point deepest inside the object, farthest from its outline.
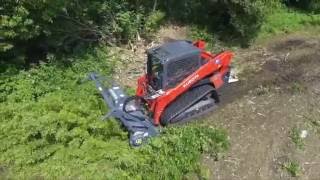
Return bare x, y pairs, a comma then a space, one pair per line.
174, 50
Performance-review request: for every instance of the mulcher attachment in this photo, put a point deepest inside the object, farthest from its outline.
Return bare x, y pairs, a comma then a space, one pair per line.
138, 124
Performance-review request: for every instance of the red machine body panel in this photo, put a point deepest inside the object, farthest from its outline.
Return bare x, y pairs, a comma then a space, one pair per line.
216, 68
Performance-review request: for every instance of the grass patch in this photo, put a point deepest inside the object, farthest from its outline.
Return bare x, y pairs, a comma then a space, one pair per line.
285, 21
293, 168
316, 124
296, 138
313, 118
297, 88
280, 21
214, 42
51, 128
198, 33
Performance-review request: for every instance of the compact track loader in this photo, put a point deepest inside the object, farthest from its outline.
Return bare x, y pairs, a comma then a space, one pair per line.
181, 82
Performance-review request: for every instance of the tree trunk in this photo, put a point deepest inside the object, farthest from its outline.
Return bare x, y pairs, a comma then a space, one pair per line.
155, 3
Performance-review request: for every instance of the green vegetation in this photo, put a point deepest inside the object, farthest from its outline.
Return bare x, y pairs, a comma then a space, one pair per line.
297, 88
30, 29
306, 5
50, 121
51, 127
296, 138
284, 21
277, 20
316, 123
313, 120
293, 168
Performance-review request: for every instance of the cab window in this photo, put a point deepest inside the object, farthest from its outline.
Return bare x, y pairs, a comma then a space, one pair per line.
180, 69
155, 72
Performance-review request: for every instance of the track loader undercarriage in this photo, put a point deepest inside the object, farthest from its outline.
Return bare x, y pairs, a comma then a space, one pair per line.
190, 104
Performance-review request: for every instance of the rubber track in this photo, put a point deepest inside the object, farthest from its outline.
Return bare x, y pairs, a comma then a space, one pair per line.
184, 101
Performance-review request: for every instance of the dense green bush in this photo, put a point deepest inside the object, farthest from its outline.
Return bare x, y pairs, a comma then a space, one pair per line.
51, 127
307, 5
227, 19
31, 28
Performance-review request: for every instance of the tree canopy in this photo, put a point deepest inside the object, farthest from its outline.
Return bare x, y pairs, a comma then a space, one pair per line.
32, 28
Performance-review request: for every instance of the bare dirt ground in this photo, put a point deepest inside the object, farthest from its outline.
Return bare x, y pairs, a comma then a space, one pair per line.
279, 95
276, 101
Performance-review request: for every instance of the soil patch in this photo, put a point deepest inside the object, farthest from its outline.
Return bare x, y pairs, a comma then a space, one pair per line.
278, 91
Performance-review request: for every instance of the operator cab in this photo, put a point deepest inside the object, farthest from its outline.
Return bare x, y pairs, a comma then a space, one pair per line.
169, 64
